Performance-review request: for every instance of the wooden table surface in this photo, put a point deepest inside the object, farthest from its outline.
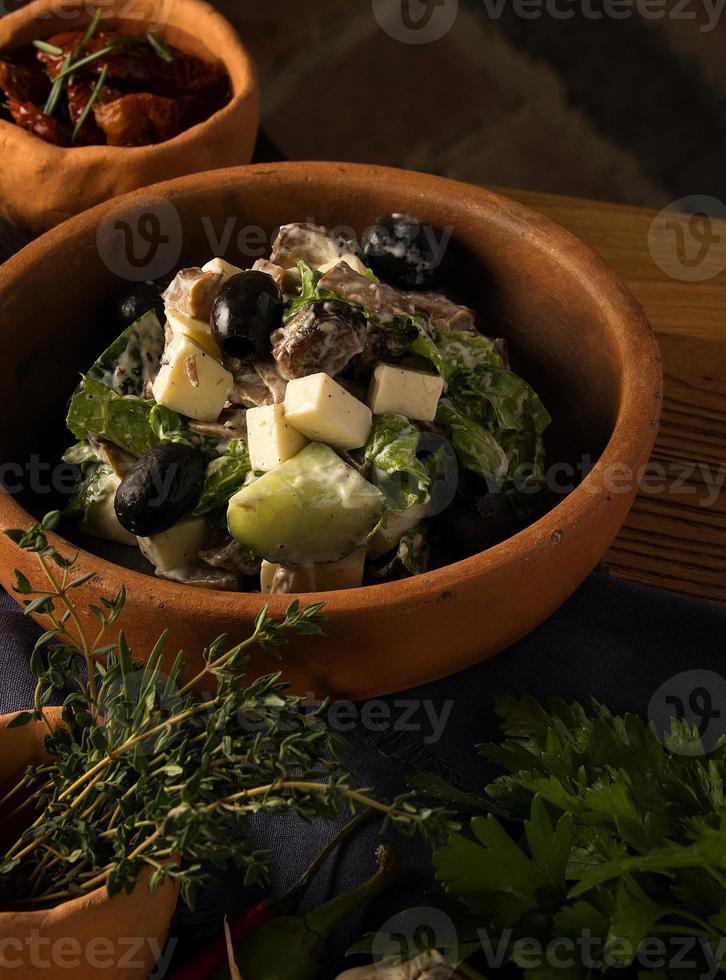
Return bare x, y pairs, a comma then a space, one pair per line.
675, 536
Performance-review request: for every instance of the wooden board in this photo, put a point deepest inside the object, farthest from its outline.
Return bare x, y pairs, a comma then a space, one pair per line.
675, 537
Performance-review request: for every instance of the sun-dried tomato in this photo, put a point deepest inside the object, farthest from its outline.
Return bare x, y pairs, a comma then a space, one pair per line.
32, 119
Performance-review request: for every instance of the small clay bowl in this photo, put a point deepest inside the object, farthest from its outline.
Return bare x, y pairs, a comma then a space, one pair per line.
574, 331
88, 937
42, 185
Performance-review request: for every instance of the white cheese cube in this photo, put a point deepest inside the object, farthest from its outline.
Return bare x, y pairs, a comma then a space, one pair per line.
101, 520
270, 437
400, 391
191, 381
197, 330
352, 260
345, 574
223, 268
178, 547
397, 523
324, 411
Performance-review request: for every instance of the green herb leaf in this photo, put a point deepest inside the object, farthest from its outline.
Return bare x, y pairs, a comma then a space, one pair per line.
225, 476
160, 46
396, 469
88, 108
133, 358
48, 48
20, 720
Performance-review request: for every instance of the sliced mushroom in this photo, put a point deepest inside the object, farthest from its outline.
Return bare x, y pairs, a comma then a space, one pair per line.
322, 337
229, 556
311, 243
192, 292
287, 280
119, 461
203, 577
389, 302
232, 424
376, 296
444, 314
249, 390
270, 374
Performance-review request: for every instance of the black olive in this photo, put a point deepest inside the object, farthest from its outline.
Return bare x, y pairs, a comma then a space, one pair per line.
130, 305
247, 309
406, 253
160, 489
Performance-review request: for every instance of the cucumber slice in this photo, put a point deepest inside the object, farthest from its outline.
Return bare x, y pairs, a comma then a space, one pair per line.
313, 508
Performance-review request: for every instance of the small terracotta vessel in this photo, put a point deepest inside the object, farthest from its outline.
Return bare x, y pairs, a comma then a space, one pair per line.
93, 936
42, 185
575, 332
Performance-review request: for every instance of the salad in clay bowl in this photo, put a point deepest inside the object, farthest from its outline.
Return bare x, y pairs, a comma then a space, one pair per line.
326, 419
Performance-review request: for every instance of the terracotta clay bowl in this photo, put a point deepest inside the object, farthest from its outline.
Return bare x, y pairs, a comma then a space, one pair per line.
93, 936
42, 185
575, 333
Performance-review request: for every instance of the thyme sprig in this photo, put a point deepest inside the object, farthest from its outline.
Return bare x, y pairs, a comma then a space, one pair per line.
147, 766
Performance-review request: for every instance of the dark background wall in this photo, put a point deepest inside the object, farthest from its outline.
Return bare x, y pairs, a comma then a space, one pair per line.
630, 109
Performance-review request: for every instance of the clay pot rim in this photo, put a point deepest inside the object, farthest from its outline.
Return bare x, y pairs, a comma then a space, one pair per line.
90, 898
628, 327
232, 54
98, 895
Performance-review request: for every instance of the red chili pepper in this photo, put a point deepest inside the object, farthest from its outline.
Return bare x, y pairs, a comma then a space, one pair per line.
213, 962
213, 958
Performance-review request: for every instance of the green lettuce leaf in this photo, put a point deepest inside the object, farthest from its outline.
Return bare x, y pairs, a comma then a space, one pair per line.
170, 427
411, 556
396, 469
309, 291
133, 424
92, 488
97, 410
81, 454
456, 352
225, 476
494, 419
477, 448
133, 358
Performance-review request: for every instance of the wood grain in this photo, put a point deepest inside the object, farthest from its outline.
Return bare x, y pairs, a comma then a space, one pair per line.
675, 536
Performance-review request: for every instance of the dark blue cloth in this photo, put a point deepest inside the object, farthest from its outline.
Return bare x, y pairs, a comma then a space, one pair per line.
626, 645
